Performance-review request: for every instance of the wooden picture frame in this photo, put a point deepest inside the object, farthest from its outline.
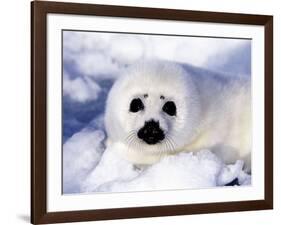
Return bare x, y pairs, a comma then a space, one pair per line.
39, 12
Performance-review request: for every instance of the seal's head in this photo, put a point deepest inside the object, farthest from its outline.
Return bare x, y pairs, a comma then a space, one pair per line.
152, 110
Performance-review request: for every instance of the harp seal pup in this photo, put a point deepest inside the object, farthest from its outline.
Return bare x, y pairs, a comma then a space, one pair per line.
158, 108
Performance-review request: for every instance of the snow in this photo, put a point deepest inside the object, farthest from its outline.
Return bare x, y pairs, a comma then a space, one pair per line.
104, 55
95, 168
128, 49
81, 153
79, 89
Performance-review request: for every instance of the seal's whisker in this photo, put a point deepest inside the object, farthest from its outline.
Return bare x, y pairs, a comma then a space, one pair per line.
129, 142
167, 145
130, 135
171, 143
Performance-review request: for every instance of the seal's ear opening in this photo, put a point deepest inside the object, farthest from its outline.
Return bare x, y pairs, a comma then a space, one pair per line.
136, 105
170, 108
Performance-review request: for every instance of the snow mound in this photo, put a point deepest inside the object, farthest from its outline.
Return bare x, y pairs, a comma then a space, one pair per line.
182, 171
81, 153
90, 167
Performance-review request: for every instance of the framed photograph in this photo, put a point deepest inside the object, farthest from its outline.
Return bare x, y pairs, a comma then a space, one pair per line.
144, 112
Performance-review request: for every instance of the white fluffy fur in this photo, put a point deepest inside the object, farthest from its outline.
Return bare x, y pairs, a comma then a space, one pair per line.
212, 112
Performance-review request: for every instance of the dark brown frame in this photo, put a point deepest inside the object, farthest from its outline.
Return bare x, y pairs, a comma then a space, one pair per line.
39, 11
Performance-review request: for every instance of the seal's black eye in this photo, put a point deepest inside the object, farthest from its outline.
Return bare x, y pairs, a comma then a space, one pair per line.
170, 108
136, 105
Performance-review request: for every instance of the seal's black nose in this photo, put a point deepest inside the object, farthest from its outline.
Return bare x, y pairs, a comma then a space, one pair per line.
151, 132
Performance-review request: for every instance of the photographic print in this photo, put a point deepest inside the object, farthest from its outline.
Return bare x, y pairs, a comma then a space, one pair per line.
145, 112
151, 112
